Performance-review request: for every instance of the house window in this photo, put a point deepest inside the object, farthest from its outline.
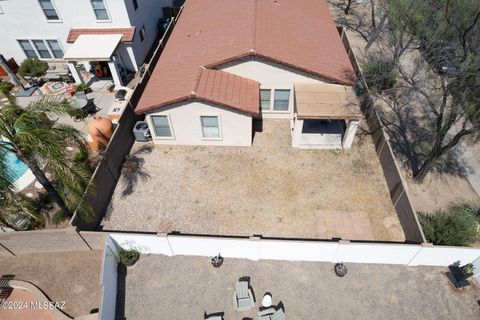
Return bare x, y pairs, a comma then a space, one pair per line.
42, 49
28, 48
55, 48
142, 33
161, 126
49, 10
281, 101
210, 127
100, 10
265, 95
135, 4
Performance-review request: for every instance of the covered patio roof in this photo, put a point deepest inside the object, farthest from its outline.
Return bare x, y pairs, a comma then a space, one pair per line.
326, 101
97, 47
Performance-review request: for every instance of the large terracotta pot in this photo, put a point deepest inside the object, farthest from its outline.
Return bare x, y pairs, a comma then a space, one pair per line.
101, 130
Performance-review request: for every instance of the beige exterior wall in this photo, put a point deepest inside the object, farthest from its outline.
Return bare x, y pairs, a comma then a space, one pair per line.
271, 76
235, 127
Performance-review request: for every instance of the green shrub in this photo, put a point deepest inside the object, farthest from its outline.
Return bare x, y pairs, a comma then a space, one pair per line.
58, 217
449, 228
128, 257
33, 68
81, 87
469, 207
379, 73
7, 85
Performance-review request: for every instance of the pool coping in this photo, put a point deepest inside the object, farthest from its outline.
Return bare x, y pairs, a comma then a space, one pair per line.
24, 181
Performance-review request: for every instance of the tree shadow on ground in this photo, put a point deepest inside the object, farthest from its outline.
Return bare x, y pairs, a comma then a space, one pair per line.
411, 134
133, 171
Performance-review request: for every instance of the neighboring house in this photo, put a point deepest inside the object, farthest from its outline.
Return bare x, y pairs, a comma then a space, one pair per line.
229, 62
117, 32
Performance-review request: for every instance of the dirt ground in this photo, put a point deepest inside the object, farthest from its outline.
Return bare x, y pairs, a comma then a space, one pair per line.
438, 190
73, 277
187, 287
269, 189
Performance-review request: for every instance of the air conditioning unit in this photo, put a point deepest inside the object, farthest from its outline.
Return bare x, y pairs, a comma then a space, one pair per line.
141, 131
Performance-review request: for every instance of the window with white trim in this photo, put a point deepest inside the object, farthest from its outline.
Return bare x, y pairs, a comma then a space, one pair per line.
42, 49
49, 10
28, 48
265, 97
161, 125
210, 127
100, 9
281, 100
55, 48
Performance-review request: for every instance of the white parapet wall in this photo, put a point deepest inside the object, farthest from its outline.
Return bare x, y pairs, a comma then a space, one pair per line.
255, 248
109, 281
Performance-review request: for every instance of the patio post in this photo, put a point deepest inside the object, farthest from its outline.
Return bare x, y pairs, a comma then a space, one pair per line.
297, 132
77, 76
350, 133
112, 65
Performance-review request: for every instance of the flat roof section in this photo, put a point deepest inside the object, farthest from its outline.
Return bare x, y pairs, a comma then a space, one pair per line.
326, 101
96, 47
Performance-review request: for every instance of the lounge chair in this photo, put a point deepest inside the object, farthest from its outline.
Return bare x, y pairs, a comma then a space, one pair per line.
271, 314
243, 297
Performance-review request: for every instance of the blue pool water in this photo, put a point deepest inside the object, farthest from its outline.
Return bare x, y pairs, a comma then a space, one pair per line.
15, 167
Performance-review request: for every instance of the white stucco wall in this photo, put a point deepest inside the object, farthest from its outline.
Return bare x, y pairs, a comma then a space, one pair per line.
109, 281
256, 248
271, 76
24, 19
147, 14
236, 128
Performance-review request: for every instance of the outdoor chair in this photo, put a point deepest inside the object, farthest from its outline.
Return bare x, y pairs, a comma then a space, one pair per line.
271, 314
243, 297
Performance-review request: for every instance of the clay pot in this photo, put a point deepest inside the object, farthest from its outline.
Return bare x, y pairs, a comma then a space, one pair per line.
101, 130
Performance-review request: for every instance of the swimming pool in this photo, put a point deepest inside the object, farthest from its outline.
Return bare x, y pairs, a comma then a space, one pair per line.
15, 167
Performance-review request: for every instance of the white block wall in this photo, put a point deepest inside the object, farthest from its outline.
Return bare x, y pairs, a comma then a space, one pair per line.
109, 281
290, 250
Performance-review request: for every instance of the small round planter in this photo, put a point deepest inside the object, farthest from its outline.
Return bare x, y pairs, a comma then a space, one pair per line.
341, 269
217, 261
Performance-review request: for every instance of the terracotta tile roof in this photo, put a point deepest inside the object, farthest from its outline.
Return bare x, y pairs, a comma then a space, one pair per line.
297, 33
128, 33
229, 90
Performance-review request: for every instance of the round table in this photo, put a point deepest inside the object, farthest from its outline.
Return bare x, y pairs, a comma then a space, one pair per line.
267, 300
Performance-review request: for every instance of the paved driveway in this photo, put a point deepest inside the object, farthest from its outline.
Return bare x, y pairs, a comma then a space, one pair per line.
160, 287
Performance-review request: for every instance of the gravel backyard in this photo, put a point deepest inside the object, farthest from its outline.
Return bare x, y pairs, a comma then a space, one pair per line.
186, 287
269, 189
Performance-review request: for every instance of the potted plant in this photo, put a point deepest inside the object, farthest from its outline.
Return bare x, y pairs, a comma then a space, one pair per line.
468, 270
82, 87
341, 269
128, 257
217, 261
111, 87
